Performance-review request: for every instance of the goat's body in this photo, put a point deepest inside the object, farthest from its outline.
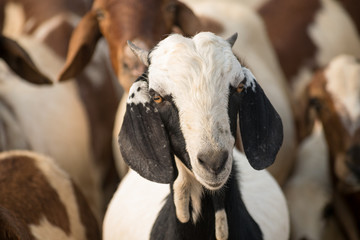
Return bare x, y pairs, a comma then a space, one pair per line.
39, 200
135, 206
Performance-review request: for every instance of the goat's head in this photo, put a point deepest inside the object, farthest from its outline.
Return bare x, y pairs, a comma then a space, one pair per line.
144, 22
20, 62
335, 95
187, 105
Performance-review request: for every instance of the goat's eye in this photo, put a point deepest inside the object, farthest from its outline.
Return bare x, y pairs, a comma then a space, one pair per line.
240, 88
100, 14
157, 98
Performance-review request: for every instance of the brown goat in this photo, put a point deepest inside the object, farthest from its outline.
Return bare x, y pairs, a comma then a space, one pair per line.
145, 22
38, 200
334, 93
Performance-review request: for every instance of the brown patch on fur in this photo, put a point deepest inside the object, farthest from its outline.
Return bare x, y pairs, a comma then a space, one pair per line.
2, 15
87, 218
287, 23
353, 8
335, 133
25, 191
42, 10
58, 39
12, 228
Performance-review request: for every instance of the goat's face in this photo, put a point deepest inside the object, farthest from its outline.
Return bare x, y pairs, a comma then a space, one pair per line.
143, 22
191, 97
335, 94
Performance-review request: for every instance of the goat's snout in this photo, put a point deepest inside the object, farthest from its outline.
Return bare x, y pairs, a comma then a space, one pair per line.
213, 161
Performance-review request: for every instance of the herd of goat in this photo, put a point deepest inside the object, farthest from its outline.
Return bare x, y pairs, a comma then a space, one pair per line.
191, 119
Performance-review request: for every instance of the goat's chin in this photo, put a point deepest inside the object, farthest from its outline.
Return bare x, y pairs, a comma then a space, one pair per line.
213, 182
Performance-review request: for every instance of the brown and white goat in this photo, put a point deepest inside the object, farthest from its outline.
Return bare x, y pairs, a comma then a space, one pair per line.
307, 35
334, 93
52, 22
38, 200
47, 119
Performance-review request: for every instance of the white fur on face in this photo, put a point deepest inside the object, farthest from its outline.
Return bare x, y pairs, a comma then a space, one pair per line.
343, 83
197, 73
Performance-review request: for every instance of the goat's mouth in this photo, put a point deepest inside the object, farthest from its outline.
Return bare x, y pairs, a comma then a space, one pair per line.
211, 180
212, 185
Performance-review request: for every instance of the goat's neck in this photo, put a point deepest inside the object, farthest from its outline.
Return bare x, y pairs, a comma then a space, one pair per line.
224, 204
187, 190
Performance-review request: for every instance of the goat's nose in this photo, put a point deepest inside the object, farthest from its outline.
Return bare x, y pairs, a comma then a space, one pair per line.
213, 161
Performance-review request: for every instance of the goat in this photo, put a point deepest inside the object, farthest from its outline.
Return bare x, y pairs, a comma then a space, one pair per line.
307, 35
179, 128
51, 22
38, 200
49, 119
334, 94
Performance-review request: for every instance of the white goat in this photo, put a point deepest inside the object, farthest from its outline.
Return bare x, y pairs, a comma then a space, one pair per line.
179, 128
38, 200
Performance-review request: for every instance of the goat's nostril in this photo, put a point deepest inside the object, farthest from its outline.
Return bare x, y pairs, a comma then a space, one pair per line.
213, 161
201, 161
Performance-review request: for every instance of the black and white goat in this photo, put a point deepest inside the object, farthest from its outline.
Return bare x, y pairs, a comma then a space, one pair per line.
179, 129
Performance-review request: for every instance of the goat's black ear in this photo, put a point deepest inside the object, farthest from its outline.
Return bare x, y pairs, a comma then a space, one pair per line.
144, 144
260, 125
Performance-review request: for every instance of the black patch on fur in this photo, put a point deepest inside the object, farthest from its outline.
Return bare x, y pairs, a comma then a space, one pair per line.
260, 125
170, 117
241, 225
150, 136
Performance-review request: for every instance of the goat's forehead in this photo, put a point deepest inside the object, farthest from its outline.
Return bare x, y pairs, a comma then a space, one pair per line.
204, 62
343, 83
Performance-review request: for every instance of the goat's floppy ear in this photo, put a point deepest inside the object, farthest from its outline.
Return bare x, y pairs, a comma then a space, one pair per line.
82, 46
20, 62
260, 125
186, 19
144, 144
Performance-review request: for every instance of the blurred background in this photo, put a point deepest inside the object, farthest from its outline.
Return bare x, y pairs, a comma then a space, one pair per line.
304, 53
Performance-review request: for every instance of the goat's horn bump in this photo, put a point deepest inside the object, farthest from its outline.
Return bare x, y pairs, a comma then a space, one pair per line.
231, 40
140, 53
